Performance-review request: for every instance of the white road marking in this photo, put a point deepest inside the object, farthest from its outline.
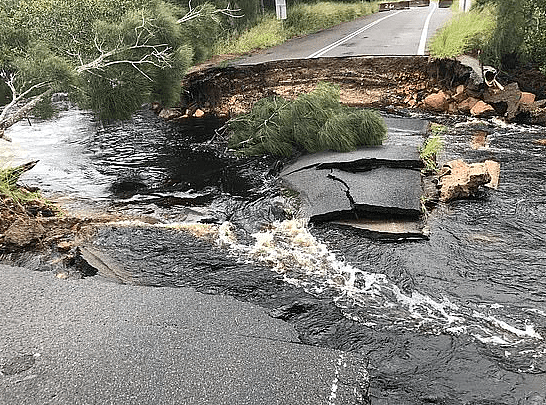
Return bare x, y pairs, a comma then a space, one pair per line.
424, 34
327, 48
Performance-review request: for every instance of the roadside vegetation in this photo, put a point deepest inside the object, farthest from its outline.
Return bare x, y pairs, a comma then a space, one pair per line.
505, 33
465, 33
303, 19
312, 122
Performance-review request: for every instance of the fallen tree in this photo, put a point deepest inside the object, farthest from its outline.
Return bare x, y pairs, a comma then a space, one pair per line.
108, 56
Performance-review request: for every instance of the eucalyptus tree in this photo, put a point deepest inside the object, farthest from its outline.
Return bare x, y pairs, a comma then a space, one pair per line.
108, 55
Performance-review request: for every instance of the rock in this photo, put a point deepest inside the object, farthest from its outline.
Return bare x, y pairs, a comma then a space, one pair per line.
437, 101
458, 179
479, 140
156, 107
541, 142
198, 113
64, 246
169, 114
527, 98
460, 93
507, 101
452, 108
466, 105
22, 232
493, 168
482, 109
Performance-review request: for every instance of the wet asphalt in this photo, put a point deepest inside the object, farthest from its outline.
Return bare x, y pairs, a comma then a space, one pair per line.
91, 341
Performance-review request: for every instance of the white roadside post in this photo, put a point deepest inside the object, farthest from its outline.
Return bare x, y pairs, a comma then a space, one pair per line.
280, 6
464, 5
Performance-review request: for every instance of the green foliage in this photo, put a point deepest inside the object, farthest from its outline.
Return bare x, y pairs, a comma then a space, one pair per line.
506, 31
304, 18
109, 55
508, 36
8, 186
431, 148
535, 31
464, 33
312, 122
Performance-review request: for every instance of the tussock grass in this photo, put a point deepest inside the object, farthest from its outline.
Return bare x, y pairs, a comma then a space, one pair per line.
302, 19
313, 122
464, 33
433, 145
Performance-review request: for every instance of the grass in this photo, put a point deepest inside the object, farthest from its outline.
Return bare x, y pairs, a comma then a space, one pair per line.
431, 148
464, 33
302, 19
266, 33
10, 190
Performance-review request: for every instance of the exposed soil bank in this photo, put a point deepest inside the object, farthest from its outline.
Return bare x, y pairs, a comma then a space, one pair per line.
379, 82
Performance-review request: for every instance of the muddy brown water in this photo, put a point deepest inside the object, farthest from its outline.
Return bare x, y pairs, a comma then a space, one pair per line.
456, 319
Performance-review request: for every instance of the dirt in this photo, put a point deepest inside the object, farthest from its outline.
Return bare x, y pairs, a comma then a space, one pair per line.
364, 82
377, 82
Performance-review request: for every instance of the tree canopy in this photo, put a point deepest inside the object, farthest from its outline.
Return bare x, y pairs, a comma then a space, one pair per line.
108, 55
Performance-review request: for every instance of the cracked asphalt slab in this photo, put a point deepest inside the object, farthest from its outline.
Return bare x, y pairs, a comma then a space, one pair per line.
383, 180
96, 342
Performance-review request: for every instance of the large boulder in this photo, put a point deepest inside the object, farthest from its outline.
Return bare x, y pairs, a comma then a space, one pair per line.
506, 101
467, 104
458, 179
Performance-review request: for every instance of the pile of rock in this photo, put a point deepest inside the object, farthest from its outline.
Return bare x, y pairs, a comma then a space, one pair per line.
173, 114
508, 102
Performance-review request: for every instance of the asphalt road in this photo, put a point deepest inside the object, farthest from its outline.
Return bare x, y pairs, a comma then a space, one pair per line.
90, 341
401, 32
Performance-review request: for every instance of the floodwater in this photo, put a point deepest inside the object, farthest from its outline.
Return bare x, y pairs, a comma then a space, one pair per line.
459, 318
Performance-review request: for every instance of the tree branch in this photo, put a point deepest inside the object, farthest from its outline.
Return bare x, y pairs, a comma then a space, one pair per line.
199, 12
5, 123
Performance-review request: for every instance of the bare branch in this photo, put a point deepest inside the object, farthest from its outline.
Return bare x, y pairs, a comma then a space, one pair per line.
9, 79
199, 12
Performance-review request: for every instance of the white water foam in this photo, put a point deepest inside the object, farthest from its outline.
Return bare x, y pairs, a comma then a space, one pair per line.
289, 249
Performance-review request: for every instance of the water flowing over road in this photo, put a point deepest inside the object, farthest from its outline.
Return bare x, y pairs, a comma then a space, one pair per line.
456, 319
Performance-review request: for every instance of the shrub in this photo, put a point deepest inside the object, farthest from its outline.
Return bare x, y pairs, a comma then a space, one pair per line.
313, 122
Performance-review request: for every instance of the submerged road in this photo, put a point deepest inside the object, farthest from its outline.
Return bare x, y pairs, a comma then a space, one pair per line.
399, 32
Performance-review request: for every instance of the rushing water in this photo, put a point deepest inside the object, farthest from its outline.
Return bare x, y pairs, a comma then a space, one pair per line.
456, 319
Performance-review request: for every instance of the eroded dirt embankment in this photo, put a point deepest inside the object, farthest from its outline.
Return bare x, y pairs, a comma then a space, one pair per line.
380, 82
